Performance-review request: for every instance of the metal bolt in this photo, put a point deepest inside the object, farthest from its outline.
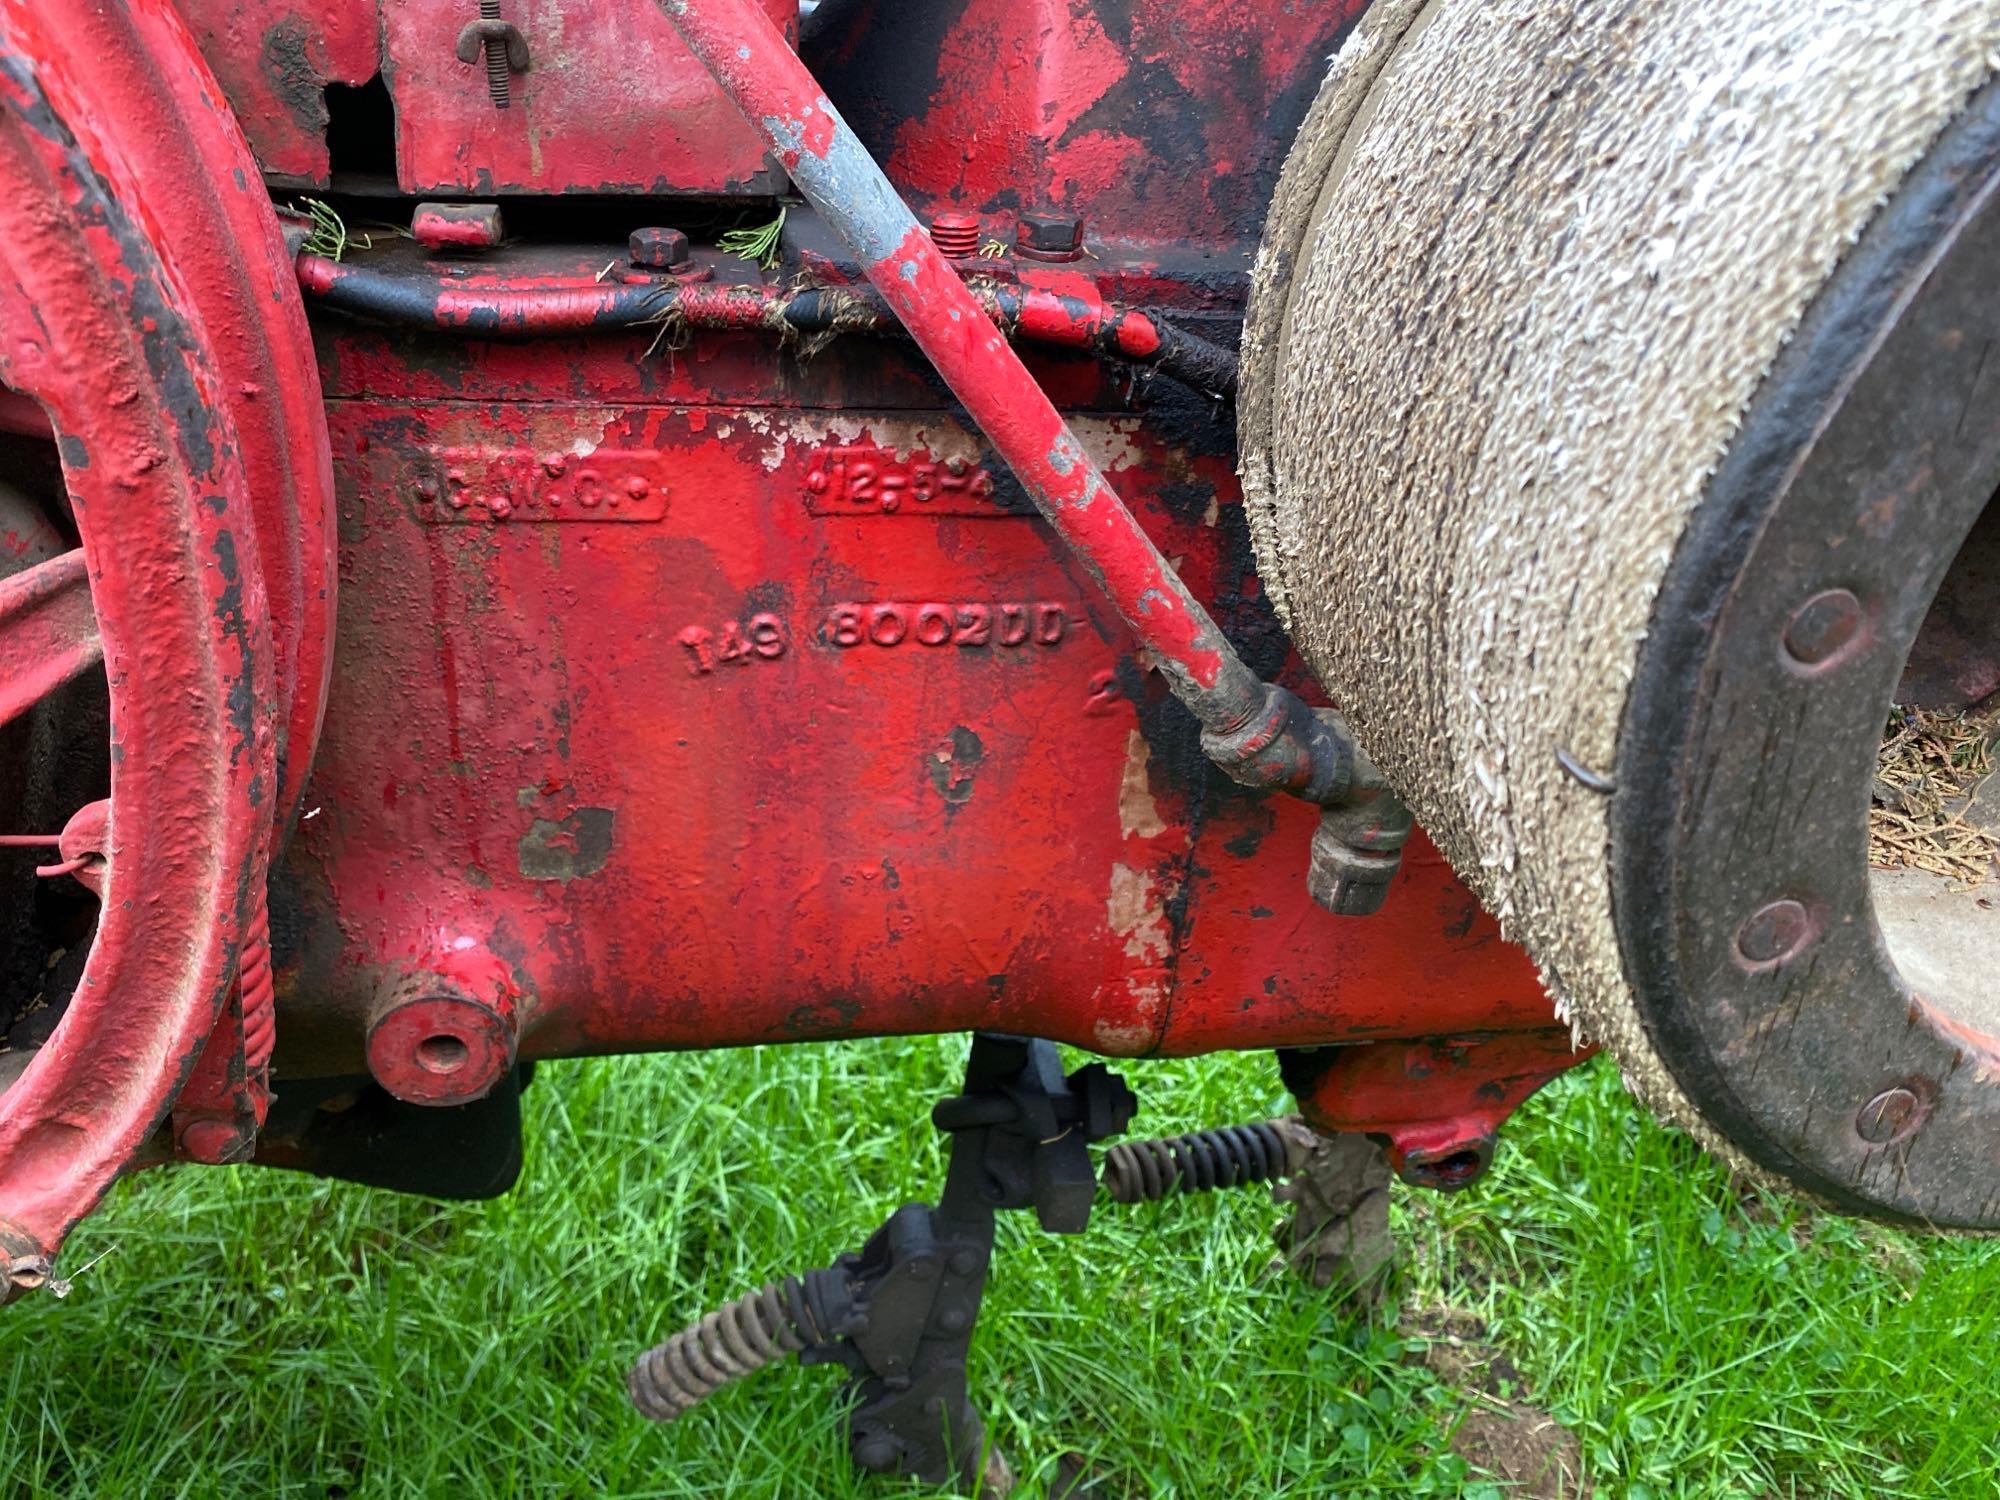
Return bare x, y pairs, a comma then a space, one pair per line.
1823, 627
1042, 236
498, 84
964, 1262
1889, 1116
446, 227
658, 249
953, 1320
1773, 932
1355, 853
505, 49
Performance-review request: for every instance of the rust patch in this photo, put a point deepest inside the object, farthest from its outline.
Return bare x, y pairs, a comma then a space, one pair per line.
1138, 814
1136, 913
286, 60
567, 850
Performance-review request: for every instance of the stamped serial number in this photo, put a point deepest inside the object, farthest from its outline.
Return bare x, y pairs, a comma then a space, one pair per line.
733, 643
965, 625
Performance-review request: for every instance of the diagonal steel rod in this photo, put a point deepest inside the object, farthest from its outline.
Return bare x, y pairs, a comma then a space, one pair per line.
1257, 731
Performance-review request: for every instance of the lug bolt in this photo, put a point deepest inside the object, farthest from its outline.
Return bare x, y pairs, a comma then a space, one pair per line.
1773, 933
1889, 1116
1822, 628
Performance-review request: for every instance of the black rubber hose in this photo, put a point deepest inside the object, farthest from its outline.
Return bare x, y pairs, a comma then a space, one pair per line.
424, 300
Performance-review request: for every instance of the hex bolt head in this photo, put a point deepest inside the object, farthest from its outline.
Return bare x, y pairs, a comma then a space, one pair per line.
1823, 628
1355, 854
1049, 236
658, 249
1773, 933
1889, 1116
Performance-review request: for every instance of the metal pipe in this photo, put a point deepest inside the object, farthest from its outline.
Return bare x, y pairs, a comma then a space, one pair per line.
1256, 731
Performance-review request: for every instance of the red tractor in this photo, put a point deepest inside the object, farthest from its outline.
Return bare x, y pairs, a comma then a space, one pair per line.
536, 528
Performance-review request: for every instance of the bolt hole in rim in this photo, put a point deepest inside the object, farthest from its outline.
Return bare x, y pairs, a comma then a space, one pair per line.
1831, 1020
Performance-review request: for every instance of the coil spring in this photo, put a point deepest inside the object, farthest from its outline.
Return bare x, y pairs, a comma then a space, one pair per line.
737, 1339
1199, 1162
253, 985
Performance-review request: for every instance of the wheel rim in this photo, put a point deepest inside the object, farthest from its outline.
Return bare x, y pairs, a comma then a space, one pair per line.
138, 325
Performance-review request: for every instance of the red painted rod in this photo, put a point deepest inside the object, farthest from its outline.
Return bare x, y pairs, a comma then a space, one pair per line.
765, 79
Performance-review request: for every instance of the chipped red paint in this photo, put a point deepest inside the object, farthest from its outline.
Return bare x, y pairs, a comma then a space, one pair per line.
1156, 121
863, 773
167, 347
611, 102
446, 227
635, 738
273, 60
1436, 1101
758, 70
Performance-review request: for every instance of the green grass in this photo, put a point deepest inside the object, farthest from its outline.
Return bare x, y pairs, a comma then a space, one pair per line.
254, 1333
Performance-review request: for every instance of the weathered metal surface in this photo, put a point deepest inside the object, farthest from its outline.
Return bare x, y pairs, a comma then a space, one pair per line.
1793, 1007
1151, 120
610, 102
875, 771
769, 648
119, 341
273, 60
48, 631
1260, 733
1438, 1104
